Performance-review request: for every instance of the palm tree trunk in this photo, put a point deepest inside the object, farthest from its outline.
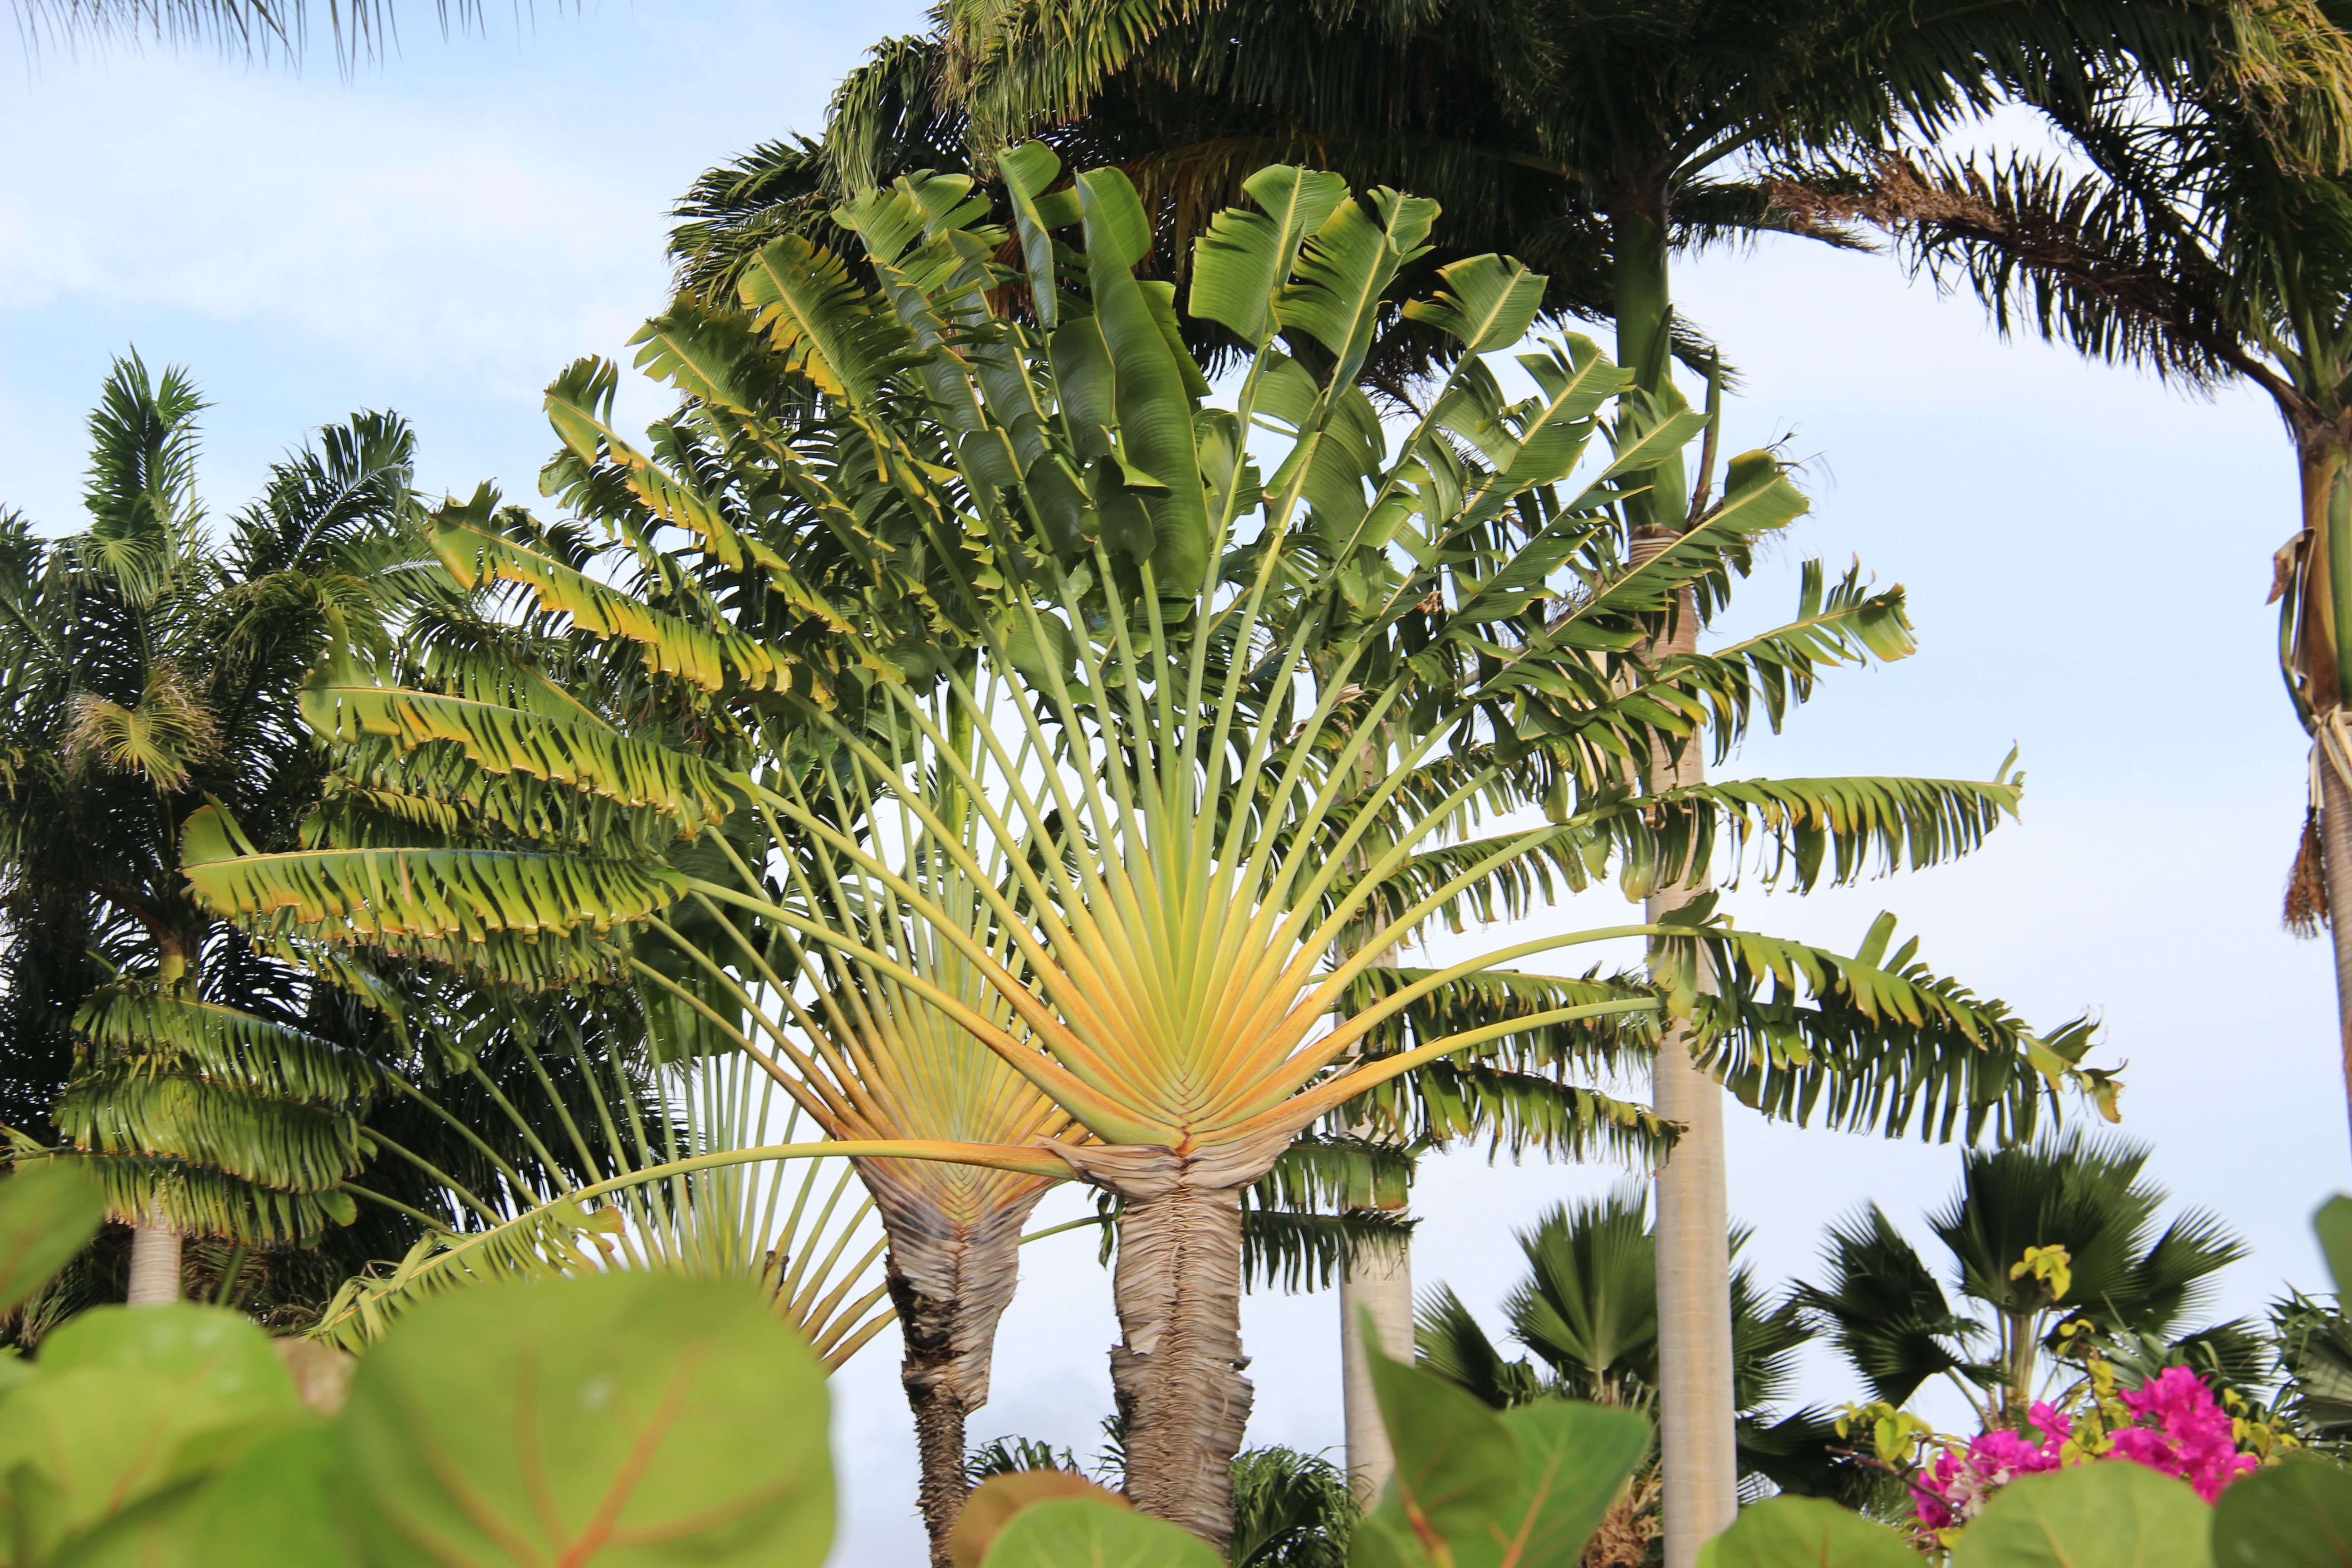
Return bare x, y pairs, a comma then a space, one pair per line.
154, 1266
1378, 1283
951, 1279
2335, 837
1697, 1443
1177, 1369
2322, 661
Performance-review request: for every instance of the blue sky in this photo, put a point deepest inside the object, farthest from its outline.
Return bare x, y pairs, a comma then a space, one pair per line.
2086, 554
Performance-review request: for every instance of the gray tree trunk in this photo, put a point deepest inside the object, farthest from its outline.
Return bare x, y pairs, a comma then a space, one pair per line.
154, 1266
1378, 1281
1698, 1458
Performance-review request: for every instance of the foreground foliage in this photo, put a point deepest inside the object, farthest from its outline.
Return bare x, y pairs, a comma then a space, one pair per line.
642, 1418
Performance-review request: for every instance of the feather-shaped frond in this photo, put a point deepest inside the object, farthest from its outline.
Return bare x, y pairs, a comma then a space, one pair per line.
1300, 1252
385, 895
1878, 1040
575, 750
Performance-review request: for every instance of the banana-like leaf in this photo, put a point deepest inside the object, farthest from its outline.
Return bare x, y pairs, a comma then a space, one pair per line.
501, 738
816, 317
375, 896
1247, 257
675, 647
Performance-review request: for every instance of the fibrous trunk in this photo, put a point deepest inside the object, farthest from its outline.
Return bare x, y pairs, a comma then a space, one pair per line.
1177, 1369
1698, 1442
154, 1266
951, 1278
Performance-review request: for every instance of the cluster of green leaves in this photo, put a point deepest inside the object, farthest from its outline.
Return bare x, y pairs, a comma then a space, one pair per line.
148, 665
911, 507
639, 1417
644, 1417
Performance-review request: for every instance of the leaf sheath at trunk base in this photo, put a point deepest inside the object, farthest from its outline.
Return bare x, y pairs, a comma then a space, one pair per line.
1177, 1371
951, 1278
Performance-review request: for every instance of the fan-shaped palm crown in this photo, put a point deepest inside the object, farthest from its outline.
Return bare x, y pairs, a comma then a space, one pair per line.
1161, 734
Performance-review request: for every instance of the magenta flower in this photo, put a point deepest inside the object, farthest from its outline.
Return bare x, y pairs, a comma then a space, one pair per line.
2182, 1430
2177, 1428
1958, 1484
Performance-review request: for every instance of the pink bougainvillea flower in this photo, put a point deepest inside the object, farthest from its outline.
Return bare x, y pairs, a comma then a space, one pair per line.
2181, 1429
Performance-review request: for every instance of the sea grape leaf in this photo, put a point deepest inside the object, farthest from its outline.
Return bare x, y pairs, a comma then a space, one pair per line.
48, 1213
2114, 1514
208, 1349
278, 1506
628, 1418
1806, 1532
2292, 1515
1084, 1532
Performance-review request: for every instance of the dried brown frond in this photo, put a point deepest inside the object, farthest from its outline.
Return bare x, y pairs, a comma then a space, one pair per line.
2306, 882
162, 739
1628, 1527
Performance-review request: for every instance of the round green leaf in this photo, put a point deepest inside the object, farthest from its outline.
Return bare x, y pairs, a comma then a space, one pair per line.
83, 1445
1807, 1532
48, 1213
206, 1348
2295, 1515
2112, 1514
149, 1534
1457, 1465
629, 1418
1078, 1532
1574, 1459
278, 1506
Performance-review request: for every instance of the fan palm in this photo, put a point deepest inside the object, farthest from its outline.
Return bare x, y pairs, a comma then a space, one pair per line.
2115, 1272
1590, 142
1113, 734
151, 665
1588, 1310
533, 1138
2205, 235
